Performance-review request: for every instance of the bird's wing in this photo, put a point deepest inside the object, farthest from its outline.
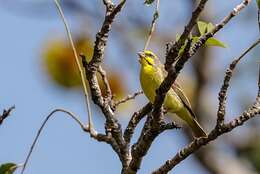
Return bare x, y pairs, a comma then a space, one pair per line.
176, 87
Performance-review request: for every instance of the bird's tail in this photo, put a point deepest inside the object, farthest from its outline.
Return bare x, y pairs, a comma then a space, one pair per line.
197, 129
192, 122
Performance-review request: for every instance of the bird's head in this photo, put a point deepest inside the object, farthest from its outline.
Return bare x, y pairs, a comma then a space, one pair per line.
147, 58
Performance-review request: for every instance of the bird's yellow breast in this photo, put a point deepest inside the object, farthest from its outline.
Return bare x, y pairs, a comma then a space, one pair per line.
150, 79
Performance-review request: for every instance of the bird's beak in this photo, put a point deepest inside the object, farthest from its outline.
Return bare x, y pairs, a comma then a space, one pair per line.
141, 55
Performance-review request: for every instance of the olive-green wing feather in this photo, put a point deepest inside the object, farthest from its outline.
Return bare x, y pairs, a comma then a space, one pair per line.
196, 128
176, 87
183, 97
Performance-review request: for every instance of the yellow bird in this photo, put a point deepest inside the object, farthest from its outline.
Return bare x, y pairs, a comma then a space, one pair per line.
152, 74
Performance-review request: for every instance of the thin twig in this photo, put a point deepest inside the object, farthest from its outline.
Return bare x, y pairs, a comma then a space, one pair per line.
127, 98
108, 3
72, 115
96, 136
169, 126
218, 27
118, 8
5, 114
152, 28
81, 71
223, 92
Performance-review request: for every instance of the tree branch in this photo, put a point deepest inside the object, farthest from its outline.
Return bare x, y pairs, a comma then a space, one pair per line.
135, 119
218, 27
80, 69
173, 52
141, 147
5, 114
168, 81
214, 134
223, 91
150, 131
112, 126
96, 136
152, 128
154, 124
152, 28
169, 126
173, 71
220, 129
109, 4
126, 99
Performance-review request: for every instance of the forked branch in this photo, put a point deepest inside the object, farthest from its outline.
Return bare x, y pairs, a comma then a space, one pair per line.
223, 91
221, 127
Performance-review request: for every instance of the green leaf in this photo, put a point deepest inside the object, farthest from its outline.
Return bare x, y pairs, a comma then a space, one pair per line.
148, 2
183, 47
258, 4
214, 42
210, 27
8, 168
202, 26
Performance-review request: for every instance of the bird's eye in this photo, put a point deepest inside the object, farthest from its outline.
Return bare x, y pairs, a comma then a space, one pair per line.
150, 55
